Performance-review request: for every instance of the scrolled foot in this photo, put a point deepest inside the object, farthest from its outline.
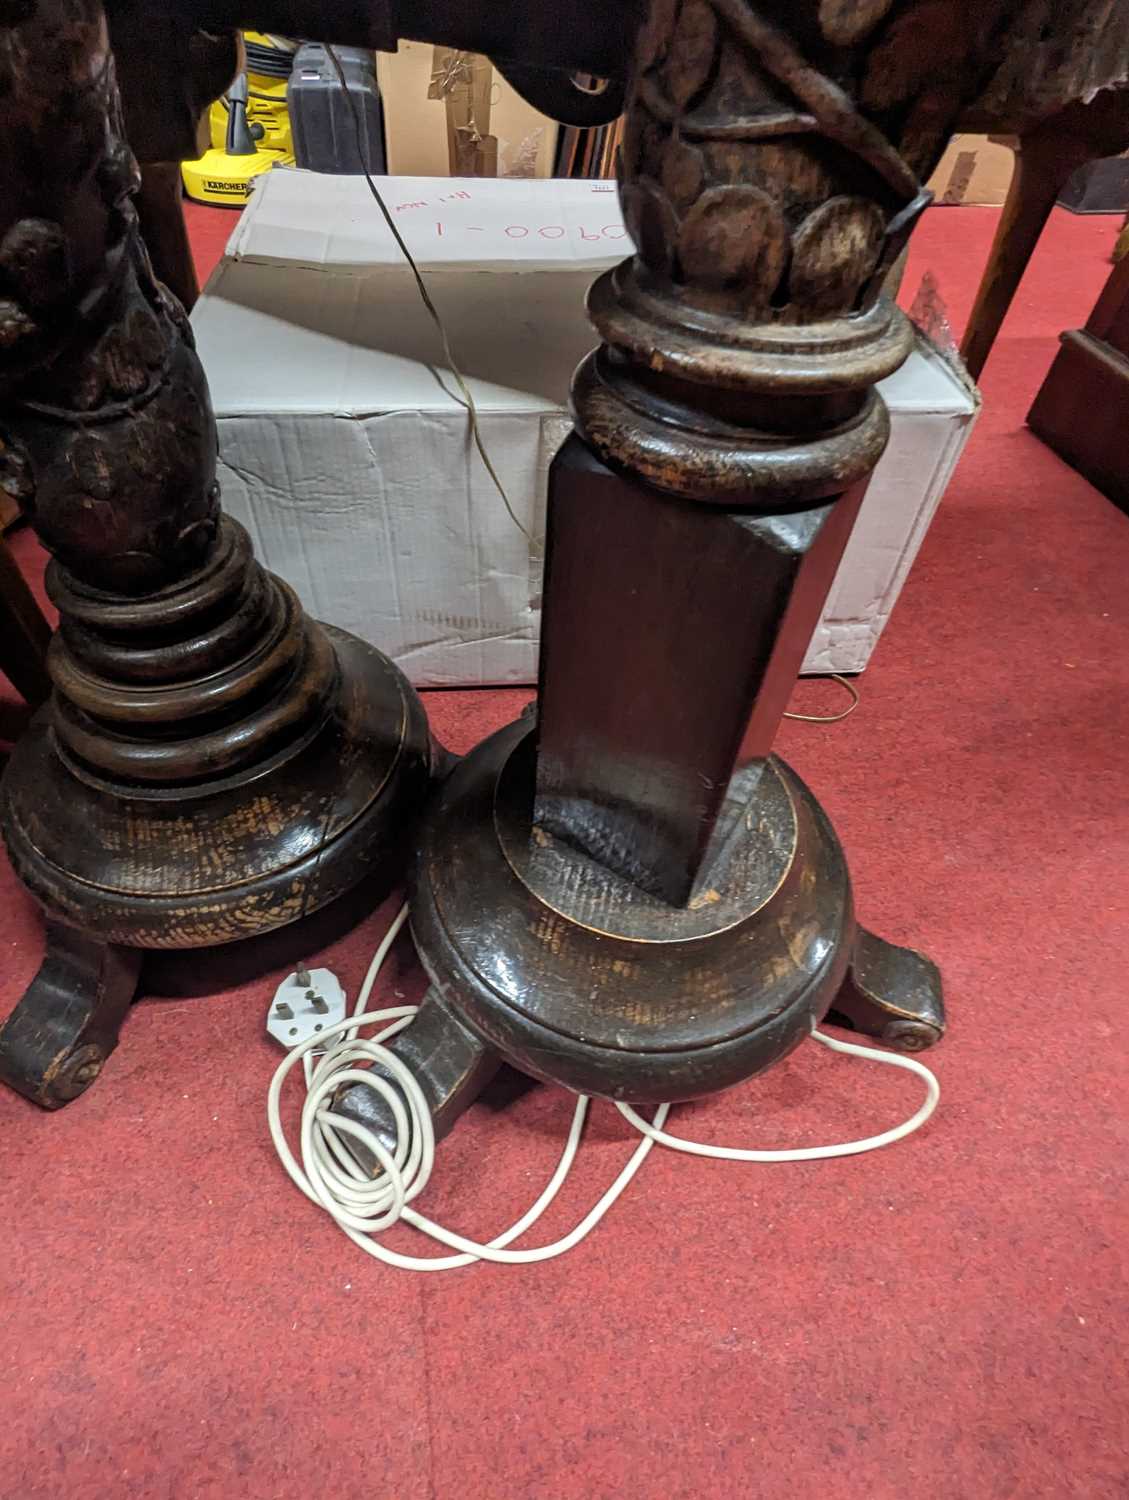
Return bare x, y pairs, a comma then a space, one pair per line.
55, 1042
891, 993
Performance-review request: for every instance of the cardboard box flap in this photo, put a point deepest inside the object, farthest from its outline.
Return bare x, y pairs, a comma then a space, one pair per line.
924, 384
316, 220
280, 340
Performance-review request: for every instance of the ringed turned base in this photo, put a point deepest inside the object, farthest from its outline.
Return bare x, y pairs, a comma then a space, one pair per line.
123, 869
543, 959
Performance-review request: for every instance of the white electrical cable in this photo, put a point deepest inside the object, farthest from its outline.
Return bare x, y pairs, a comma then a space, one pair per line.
363, 1206
809, 1153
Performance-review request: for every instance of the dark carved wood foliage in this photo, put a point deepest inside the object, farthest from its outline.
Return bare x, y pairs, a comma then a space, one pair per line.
107, 437
772, 148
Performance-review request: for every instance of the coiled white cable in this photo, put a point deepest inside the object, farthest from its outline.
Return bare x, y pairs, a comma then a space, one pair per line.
364, 1206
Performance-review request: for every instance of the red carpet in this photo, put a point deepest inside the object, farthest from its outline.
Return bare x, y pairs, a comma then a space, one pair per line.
944, 1318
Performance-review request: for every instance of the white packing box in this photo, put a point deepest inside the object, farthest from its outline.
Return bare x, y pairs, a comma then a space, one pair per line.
346, 453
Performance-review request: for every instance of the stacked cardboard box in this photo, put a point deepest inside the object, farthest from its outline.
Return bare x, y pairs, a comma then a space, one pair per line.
975, 169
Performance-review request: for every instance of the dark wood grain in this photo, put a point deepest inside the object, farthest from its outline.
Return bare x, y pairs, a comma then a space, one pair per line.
56, 1041
672, 634
891, 993
635, 898
595, 985
453, 1066
212, 763
618, 901
161, 221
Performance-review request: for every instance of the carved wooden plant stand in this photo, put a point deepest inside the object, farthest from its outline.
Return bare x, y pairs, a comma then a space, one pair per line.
213, 764
631, 896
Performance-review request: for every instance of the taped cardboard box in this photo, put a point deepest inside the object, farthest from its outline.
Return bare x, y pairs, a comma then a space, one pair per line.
975, 170
344, 449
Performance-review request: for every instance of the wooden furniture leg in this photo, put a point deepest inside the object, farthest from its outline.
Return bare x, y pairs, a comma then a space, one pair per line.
1045, 157
57, 1039
212, 764
632, 896
891, 993
1081, 407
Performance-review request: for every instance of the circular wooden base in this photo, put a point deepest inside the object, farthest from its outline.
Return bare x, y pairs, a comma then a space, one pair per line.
578, 977
191, 866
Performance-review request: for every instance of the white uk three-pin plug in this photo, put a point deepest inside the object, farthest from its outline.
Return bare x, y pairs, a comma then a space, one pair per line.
305, 1003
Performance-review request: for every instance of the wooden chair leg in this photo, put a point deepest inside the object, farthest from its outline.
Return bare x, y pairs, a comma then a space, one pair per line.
1043, 163
1045, 158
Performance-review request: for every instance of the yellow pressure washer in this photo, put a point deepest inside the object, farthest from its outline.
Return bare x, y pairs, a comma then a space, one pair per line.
249, 127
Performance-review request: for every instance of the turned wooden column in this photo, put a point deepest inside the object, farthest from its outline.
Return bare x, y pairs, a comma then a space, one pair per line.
630, 895
212, 764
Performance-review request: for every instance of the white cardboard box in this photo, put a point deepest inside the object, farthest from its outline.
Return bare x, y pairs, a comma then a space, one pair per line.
345, 453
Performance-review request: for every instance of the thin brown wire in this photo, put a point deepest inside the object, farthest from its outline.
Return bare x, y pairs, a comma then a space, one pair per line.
465, 399
832, 718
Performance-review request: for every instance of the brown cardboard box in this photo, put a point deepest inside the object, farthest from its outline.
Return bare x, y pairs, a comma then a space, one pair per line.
418, 116
465, 83
974, 169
